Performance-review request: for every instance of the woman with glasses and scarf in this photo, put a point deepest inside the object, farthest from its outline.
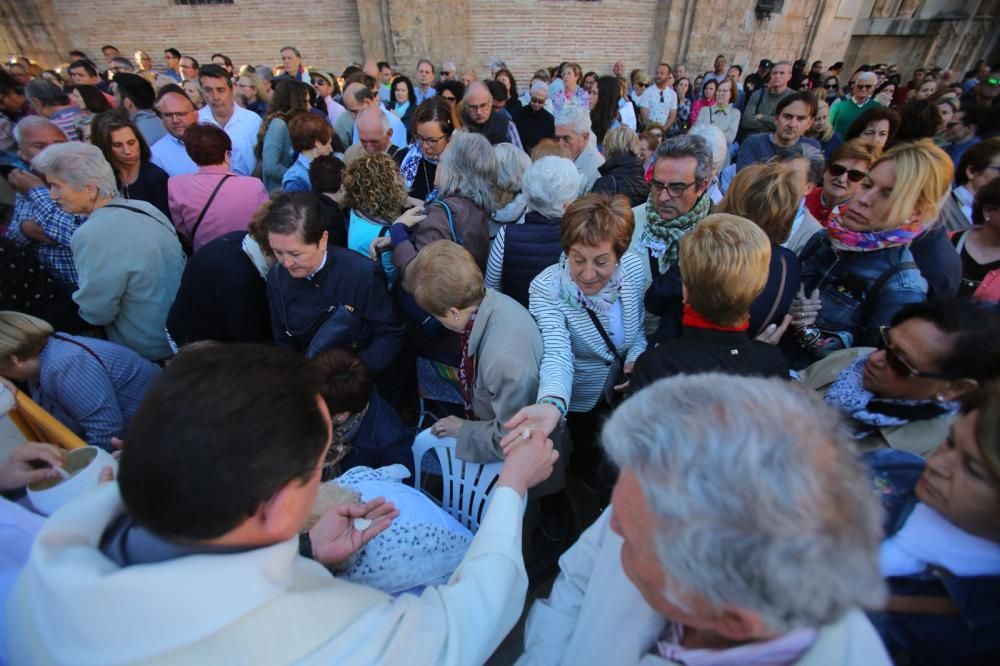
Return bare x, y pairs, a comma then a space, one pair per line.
434, 121
861, 271
904, 392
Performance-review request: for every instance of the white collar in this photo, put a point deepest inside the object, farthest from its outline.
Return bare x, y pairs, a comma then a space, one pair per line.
322, 263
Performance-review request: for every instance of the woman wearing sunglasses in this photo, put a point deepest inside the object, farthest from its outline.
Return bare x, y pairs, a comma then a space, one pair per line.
842, 177
904, 393
860, 272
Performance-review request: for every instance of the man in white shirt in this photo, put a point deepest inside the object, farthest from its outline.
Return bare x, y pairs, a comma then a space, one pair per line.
211, 559
240, 124
659, 103
718, 73
178, 113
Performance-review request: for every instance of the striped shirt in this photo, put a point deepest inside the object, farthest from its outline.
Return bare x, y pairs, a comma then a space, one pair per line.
575, 359
92, 386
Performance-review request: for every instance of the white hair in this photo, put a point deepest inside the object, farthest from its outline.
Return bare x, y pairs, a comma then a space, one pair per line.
759, 502
574, 116
79, 164
512, 162
29, 123
539, 86
716, 140
468, 169
866, 76
549, 184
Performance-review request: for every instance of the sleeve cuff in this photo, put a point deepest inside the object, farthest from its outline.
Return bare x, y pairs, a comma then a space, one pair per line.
399, 233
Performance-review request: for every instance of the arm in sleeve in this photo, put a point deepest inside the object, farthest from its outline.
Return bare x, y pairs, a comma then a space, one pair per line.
273, 167
54, 221
86, 393
513, 136
494, 263
888, 302
101, 283
750, 123
551, 622
512, 385
734, 126
277, 316
376, 307
747, 154
634, 282
556, 372
834, 113
433, 227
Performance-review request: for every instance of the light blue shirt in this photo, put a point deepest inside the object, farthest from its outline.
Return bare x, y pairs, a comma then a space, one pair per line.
421, 96
398, 129
296, 178
242, 129
170, 155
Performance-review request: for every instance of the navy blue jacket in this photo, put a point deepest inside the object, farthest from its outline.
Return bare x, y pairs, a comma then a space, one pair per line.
970, 637
382, 439
623, 174
528, 250
938, 262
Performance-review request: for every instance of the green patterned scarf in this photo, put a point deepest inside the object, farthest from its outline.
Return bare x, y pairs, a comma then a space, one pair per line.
665, 235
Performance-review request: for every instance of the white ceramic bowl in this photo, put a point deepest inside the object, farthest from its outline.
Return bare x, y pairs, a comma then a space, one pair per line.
85, 466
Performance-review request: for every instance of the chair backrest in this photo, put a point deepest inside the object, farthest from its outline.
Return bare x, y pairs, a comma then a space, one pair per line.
37, 425
465, 487
438, 381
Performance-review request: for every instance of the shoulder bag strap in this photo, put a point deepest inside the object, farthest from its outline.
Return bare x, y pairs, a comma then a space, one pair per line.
82, 346
451, 219
777, 298
134, 210
211, 197
876, 288
921, 605
604, 335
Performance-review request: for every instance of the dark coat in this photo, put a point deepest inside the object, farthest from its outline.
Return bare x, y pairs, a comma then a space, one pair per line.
150, 186
222, 296
335, 221
533, 126
528, 250
708, 350
382, 439
623, 174
938, 262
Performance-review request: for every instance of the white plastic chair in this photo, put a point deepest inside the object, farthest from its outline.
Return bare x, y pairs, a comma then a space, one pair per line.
466, 486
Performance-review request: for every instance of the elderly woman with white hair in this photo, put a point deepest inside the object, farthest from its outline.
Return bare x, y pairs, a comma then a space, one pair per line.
521, 251
465, 179
512, 162
716, 140
622, 172
573, 133
721, 546
127, 255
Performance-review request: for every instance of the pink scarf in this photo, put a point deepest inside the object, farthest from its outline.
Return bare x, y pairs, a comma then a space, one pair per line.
867, 241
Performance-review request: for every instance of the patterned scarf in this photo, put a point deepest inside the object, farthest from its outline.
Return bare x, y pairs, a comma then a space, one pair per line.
411, 164
663, 236
565, 289
467, 368
847, 240
869, 412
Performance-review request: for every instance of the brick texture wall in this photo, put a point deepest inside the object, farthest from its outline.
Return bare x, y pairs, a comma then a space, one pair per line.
325, 31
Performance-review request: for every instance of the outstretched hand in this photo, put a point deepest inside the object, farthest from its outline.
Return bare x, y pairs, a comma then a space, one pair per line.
527, 461
335, 537
540, 417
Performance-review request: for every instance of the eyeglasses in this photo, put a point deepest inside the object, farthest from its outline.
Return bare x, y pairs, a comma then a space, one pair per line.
661, 97
478, 107
673, 189
864, 86
640, 84
178, 115
445, 72
831, 86
428, 141
853, 175
898, 365
536, 100
450, 98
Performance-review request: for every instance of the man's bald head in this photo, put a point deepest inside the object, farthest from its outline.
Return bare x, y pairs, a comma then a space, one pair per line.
478, 102
374, 131
356, 97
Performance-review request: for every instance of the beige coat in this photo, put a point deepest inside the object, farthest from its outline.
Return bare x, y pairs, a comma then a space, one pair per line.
919, 437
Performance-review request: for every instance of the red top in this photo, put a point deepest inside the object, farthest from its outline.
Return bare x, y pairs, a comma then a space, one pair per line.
814, 202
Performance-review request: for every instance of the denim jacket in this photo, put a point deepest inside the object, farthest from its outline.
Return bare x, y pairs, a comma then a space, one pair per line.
844, 280
971, 636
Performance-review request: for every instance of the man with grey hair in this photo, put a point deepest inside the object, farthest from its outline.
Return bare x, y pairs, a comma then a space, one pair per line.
37, 221
50, 101
758, 115
448, 72
741, 526
845, 111
374, 135
358, 97
682, 172
533, 121
480, 118
127, 255
572, 131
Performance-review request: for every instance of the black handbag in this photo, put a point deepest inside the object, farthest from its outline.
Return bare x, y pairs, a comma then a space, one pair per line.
343, 328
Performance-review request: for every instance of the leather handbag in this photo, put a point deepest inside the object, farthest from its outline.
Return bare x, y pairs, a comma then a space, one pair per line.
343, 328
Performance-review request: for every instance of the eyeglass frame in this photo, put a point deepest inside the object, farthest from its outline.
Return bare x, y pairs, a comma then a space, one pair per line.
901, 367
675, 190
427, 140
844, 170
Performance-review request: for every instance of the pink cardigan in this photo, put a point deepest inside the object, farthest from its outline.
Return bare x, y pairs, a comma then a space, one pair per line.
234, 205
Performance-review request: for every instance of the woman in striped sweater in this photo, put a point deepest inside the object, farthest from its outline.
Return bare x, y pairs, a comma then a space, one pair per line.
589, 309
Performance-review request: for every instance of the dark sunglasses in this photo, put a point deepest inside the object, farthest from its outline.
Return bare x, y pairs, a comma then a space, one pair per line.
898, 365
853, 175
831, 86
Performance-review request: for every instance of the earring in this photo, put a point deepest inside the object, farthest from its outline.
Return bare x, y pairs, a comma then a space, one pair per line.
939, 397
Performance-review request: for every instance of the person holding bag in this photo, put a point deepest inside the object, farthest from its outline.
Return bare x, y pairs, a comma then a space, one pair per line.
323, 296
212, 201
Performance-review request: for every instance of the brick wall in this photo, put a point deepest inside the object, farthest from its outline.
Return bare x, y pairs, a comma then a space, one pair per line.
325, 31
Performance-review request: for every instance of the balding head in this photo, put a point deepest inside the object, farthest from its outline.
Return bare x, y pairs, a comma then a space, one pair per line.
374, 131
356, 97
478, 102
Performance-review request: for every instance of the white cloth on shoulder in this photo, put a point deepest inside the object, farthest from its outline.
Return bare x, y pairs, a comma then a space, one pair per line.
927, 538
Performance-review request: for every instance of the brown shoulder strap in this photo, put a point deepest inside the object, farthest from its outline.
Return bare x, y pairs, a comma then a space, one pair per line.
921, 605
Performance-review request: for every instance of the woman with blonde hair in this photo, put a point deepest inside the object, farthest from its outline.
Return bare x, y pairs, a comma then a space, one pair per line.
254, 91
375, 194
821, 130
861, 271
622, 171
91, 386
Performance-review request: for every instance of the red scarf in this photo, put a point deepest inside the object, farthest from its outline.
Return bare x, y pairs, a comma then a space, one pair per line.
694, 320
467, 368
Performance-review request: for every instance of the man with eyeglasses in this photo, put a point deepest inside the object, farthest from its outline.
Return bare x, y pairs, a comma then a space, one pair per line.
962, 131
533, 121
448, 72
480, 118
904, 392
658, 104
172, 57
178, 113
759, 78
846, 110
760, 110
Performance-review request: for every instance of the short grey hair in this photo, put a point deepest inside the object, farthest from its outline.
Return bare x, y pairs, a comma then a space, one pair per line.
689, 145
29, 123
575, 116
758, 500
46, 92
550, 184
512, 162
803, 150
716, 140
867, 76
468, 169
79, 164
539, 86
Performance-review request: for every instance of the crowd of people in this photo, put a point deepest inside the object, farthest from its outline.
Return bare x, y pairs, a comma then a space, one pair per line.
753, 316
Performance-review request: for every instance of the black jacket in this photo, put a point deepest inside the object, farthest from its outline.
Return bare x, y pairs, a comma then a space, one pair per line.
336, 224
533, 126
938, 262
708, 350
623, 174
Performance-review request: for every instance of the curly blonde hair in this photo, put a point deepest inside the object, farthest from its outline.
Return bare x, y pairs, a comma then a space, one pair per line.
374, 187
